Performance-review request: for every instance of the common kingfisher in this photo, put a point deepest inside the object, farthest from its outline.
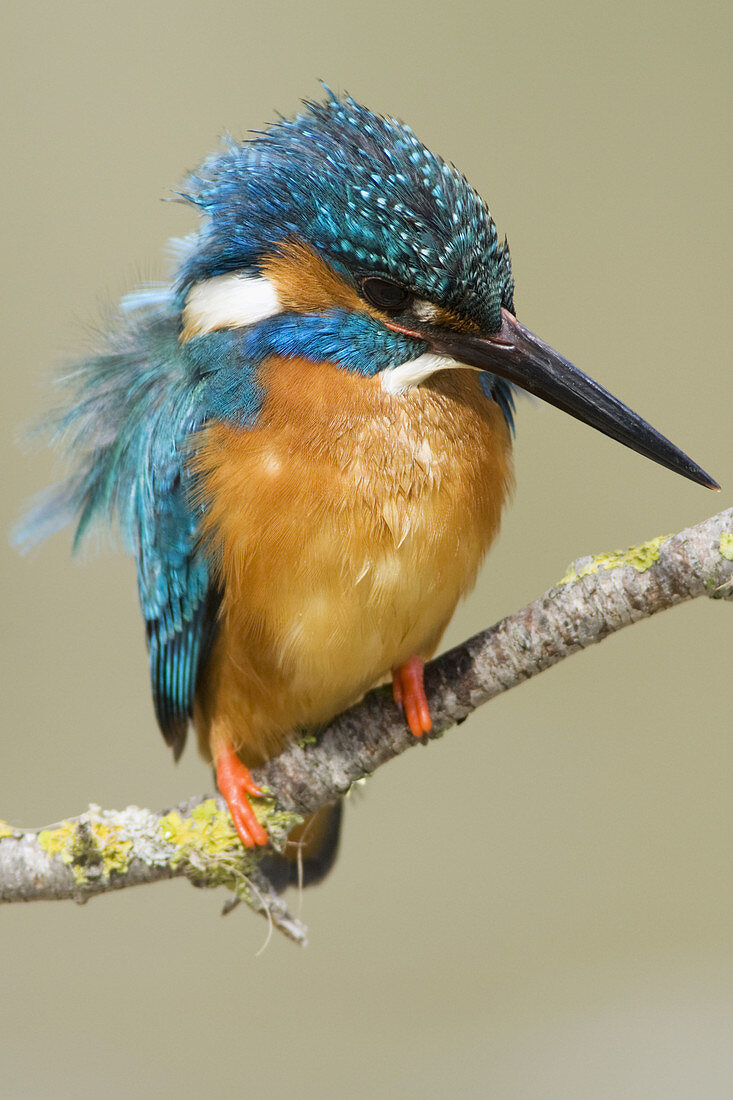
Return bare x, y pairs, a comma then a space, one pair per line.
305, 438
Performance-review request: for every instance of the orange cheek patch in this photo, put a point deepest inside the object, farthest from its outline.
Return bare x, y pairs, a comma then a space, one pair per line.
444, 318
305, 283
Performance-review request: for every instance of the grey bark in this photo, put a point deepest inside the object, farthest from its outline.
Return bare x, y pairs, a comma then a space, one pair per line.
107, 850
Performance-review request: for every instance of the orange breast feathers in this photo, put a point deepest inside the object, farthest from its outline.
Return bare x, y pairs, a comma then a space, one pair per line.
347, 524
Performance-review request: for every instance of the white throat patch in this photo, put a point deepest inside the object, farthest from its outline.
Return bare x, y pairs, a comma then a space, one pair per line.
228, 301
400, 378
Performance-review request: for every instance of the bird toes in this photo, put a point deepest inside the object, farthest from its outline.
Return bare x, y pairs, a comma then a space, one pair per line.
235, 782
408, 689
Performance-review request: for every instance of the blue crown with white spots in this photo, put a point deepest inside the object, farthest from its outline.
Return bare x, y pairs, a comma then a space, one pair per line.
362, 191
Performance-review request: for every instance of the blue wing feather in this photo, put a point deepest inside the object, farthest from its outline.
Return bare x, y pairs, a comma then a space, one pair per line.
126, 425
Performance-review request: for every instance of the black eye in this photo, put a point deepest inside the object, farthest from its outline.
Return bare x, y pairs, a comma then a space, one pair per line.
384, 294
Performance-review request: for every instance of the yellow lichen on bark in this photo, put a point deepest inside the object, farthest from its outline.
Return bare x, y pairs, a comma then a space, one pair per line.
640, 557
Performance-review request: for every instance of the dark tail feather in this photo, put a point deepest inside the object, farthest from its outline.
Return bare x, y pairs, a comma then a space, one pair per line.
311, 851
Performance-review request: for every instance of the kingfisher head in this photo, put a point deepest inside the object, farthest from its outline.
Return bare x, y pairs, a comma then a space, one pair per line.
339, 236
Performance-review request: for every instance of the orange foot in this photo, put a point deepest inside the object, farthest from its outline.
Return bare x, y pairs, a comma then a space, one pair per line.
409, 695
235, 782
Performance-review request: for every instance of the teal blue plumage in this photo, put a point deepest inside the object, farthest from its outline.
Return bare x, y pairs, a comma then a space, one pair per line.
131, 410
366, 194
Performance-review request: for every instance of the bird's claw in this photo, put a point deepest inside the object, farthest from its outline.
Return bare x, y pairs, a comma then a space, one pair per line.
236, 784
408, 690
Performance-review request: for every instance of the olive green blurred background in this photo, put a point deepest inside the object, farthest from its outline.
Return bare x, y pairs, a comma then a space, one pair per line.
539, 905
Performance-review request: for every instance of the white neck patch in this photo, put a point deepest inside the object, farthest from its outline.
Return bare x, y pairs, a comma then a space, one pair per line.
234, 300
403, 377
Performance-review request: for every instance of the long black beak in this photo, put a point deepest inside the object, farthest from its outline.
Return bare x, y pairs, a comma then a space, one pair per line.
516, 354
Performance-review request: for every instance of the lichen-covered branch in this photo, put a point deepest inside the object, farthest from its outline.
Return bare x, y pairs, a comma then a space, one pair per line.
108, 850
105, 850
